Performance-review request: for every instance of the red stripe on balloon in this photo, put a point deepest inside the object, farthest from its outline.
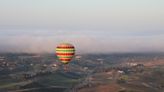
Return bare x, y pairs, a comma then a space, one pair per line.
65, 59
65, 54
65, 47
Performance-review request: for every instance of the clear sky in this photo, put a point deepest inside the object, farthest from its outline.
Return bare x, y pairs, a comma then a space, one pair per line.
93, 26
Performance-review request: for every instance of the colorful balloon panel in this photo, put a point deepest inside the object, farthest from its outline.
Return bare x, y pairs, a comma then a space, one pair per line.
65, 52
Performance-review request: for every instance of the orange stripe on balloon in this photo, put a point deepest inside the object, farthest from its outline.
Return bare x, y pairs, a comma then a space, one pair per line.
65, 55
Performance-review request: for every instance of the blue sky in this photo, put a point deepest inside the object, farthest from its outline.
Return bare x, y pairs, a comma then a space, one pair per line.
113, 25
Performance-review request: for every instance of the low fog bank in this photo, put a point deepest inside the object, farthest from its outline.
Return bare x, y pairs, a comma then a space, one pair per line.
83, 44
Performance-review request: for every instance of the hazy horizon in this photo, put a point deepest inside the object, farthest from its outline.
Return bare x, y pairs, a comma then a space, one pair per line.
93, 26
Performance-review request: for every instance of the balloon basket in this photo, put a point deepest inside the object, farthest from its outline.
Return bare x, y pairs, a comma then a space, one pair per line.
66, 68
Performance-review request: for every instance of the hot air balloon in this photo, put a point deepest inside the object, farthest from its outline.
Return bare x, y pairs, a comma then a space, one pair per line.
65, 52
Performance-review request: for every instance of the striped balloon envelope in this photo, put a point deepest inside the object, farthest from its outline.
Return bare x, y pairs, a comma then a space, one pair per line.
65, 52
